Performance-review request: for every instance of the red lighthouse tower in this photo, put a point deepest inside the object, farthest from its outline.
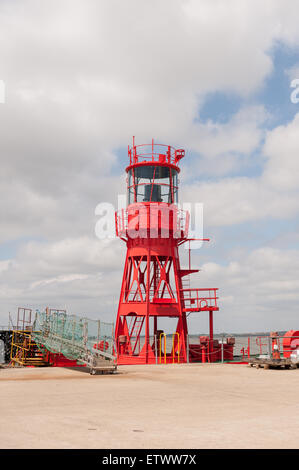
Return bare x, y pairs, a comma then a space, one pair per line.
153, 290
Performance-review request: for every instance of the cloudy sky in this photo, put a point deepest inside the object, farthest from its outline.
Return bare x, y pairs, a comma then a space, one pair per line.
213, 77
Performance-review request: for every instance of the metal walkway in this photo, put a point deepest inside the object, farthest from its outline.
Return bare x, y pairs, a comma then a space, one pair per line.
89, 342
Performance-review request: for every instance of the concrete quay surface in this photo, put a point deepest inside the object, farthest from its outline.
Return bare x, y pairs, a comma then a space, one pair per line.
155, 406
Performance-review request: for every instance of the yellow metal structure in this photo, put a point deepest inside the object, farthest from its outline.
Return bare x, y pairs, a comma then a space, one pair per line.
24, 350
173, 352
160, 353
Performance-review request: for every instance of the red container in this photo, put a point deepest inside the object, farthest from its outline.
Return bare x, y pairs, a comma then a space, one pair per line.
290, 342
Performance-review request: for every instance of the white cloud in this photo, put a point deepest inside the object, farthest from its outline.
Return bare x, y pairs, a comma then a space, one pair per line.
258, 291
293, 72
282, 149
274, 194
225, 147
81, 78
82, 275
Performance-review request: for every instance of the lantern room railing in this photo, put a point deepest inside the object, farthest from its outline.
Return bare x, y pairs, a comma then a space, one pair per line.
155, 153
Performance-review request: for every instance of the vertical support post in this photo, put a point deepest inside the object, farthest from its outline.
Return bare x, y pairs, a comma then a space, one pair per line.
112, 340
211, 325
62, 331
269, 346
73, 332
165, 346
155, 325
176, 334
85, 333
203, 353
155, 334
148, 271
187, 344
153, 150
222, 352
211, 348
98, 339
160, 352
18, 319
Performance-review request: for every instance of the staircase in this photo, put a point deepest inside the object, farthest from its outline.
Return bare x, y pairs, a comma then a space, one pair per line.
24, 350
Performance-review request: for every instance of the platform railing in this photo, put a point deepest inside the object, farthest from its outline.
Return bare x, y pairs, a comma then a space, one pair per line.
253, 346
155, 153
239, 349
196, 300
268, 345
176, 224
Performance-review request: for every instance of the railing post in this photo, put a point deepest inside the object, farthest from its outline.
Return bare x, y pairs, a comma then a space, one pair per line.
73, 333
62, 332
269, 346
187, 344
222, 352
173, 351
98, 336
156, 349
160, 352
85, 334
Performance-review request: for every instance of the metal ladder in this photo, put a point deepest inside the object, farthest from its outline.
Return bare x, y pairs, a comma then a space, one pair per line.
186, 283
134, 332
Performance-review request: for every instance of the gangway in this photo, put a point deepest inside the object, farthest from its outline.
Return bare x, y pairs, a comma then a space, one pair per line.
89, 342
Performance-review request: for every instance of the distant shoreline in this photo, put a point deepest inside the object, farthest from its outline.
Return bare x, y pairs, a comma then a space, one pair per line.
258, 333
239, 335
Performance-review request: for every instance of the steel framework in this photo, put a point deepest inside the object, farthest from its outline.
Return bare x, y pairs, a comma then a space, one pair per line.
154, 284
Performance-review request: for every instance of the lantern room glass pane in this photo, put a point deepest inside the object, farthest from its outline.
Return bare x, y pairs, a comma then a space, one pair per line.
152, 183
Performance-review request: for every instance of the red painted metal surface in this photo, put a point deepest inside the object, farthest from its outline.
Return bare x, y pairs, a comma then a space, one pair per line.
153, 228
290, 342
59, 360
